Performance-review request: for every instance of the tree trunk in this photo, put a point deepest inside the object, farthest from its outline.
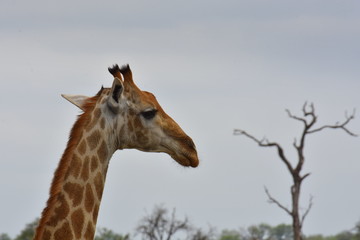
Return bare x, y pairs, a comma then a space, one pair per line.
295, 194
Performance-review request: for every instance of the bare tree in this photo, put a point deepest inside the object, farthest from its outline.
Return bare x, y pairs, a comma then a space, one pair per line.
308, 120
199, 234
160, 226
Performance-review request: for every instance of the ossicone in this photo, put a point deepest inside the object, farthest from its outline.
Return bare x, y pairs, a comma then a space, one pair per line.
124, 69
123, 73
126, 72
115, 71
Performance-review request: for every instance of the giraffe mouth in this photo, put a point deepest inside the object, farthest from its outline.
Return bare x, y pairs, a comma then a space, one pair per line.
188, 160
185, 157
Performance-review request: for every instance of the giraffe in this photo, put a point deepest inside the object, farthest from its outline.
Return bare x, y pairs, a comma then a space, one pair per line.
116, 118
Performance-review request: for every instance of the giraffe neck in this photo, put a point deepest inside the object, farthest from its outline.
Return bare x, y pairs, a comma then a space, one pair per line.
77, 187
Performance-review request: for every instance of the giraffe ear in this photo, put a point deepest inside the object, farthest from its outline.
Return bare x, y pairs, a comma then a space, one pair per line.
115, 93
77, 100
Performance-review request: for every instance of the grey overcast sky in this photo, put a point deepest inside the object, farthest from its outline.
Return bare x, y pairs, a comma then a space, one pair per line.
214, 66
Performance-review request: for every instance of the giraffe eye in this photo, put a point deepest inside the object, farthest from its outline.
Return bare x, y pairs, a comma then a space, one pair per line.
149, 114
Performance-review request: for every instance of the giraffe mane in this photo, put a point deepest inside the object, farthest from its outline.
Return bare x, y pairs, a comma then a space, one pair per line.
64, 163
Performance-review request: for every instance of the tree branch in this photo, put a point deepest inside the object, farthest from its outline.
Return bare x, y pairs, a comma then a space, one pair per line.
307, 210
295, 117
273, 200
338, 125
265, 143
305, 176
176, 225
306, 113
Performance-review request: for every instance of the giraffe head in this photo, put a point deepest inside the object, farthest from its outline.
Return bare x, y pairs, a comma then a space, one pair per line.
134, 119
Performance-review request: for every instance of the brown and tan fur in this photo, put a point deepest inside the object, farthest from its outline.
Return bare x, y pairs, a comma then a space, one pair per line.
116, 118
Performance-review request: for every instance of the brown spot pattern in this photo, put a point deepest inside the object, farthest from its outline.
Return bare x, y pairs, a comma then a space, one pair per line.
90, 124
89, 198
97, 113
102, 123
99, 185
75, 166
82, 147
77, 222
46, 235
94, 163
75, 192
141, 137
90, 231
102, 152
137, 123
94, 139
130, 126
85, 169
122, 130
95, 213
103, 100
60, 212
64, 232
116, 125
94, 119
